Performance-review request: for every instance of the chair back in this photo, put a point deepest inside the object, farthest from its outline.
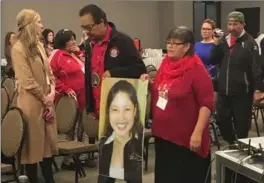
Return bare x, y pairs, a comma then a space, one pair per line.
14, 100
9, 83
66, 114
13, 130
4, 101
90, 125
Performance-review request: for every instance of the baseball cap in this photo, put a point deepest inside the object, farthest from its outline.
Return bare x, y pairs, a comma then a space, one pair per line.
237, 16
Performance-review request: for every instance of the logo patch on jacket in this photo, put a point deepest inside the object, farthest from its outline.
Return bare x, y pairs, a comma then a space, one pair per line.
114, 52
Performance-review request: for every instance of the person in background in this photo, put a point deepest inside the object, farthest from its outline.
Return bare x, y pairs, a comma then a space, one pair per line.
68, 69
48, 38
181, 108
9, 42
240, 78
113, 55
36, 90
203, 48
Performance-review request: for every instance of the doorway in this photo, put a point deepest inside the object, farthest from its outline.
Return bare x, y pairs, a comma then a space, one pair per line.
252, 20
203, 10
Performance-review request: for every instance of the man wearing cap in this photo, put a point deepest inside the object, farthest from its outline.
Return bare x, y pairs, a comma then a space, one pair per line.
240, 78
113, 54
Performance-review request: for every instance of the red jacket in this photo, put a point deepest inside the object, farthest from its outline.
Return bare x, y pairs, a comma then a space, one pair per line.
177, 122
69, 73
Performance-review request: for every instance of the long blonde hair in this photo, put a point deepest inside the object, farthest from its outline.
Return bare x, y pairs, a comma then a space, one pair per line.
27, 32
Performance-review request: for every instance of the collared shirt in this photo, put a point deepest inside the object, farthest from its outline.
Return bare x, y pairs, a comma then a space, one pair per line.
97, 66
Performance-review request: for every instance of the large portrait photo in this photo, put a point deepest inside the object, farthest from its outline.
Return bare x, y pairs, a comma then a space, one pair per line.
121, 128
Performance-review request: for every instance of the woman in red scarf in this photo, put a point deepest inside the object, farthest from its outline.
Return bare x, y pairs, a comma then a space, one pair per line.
181, 106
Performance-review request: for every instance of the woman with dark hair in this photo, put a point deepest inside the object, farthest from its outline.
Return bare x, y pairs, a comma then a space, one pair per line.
48, 38
9, 42
68, 68
121, 147
182, 101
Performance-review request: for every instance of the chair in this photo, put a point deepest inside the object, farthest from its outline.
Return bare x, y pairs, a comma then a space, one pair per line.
13, 129
67, 115
91, 128
4, 101
257, 107
9, 83
13, 103
150, 68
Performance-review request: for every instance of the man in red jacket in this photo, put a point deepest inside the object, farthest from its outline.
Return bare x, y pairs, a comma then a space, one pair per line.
113, 54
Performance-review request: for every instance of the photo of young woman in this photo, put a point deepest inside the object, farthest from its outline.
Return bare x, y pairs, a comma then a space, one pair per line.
121, 145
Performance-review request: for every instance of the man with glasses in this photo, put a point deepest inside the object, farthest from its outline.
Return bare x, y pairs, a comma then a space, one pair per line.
112, 54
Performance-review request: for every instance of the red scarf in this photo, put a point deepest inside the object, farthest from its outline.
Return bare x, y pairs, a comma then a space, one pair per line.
232, 43
172, 71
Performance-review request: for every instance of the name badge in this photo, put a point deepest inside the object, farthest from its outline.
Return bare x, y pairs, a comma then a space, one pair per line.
162, 103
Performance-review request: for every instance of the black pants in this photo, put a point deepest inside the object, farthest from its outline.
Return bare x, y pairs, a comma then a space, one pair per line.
175, 164
104, 179
235, 110
46, 168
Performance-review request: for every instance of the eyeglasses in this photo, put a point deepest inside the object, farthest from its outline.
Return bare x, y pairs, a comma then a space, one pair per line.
174, 43
88, 27
207, 29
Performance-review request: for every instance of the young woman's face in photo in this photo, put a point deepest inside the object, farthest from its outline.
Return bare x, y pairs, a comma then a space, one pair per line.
122, 114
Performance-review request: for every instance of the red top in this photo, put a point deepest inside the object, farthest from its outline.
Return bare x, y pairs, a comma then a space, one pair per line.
69, 73
190, 88
97, 66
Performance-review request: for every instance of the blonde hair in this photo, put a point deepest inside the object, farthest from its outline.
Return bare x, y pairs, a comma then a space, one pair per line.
27, 32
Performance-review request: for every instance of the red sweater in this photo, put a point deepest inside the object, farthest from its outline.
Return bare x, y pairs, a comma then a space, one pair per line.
68, 72
177, 122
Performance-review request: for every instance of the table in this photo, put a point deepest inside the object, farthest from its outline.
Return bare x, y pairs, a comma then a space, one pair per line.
252, 168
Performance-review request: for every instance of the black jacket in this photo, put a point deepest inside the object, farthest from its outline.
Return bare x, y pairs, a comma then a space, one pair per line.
133, 158
241, 71
128, 63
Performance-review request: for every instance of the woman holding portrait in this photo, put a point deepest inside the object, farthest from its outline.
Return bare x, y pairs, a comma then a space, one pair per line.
182, 101
36, 91
121, 147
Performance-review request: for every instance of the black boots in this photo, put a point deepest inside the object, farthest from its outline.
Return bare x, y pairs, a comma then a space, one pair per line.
32, 173
46, 168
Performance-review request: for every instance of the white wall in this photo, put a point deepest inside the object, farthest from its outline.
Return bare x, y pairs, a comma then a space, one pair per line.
228, 6
148, 20
137, 19
173, 14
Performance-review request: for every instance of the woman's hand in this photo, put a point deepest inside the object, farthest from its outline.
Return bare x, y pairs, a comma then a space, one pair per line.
196, 141
49, 99
71, 93
144, 77
48, 114
75, 49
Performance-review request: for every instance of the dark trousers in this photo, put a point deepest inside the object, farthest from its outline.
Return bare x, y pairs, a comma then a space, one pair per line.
234, 111
175, 164
46, 168
104, 179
